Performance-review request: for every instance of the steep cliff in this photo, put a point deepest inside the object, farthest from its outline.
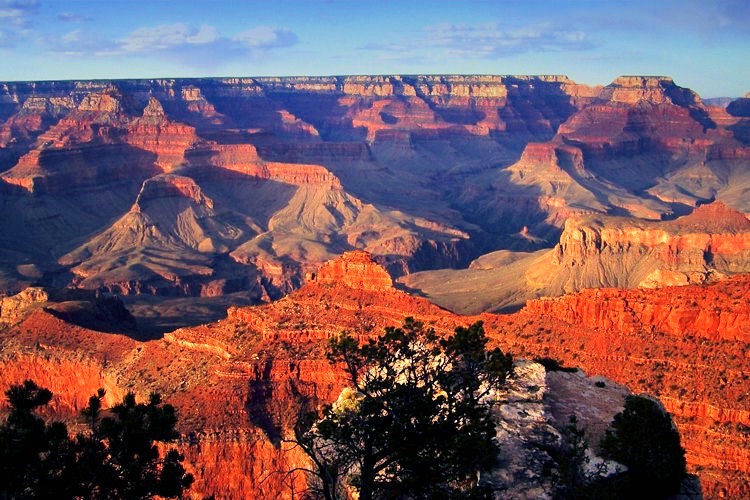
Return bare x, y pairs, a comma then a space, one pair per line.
685, 345
595, 251
714, 240
240, 383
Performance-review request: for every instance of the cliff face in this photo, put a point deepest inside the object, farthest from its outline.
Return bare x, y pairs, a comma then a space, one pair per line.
711, 242
594, 251
423, 171
239, 384
720, 314
206, 187
683, 344
637, 135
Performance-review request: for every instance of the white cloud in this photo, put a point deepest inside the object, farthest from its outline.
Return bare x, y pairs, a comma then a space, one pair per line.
485, 41
15, 18
168, 36
493, 40
70, 17
17, 12
267, 37
78, 42
202, 47
181, 36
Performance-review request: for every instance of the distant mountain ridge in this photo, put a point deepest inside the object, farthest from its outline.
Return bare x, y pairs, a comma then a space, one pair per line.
422, 171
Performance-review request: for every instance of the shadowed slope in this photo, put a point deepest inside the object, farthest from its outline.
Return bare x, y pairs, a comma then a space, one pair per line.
600, 251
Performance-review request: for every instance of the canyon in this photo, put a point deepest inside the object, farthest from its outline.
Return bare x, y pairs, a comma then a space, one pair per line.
204, 238
240, 383
210, 187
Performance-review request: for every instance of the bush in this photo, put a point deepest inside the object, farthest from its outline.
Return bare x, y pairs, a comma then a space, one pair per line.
118, 459
644, 438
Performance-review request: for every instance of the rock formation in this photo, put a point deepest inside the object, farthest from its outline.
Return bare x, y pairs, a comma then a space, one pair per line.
356, 270
423, 171
92, 310
708, 244
240, 383
684, 344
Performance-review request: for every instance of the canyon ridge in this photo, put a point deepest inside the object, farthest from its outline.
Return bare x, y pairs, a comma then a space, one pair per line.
186, 236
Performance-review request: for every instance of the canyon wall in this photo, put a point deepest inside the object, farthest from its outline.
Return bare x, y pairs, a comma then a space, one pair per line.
239, 384
423, 171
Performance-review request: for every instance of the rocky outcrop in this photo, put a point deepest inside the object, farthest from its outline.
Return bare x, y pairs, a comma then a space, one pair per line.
16, 307
711, 242
356, 270
155, 133
682, 344
146, 251
651, 89
77, 307
170, 186
239, 384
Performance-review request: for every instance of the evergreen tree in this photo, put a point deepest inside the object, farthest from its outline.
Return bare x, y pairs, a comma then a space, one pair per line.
644, 438
118, 459
416, 421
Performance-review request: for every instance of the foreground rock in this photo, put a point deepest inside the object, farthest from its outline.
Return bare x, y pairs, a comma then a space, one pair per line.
238, 383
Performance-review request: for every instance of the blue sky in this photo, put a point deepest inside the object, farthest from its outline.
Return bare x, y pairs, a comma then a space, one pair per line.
702, 44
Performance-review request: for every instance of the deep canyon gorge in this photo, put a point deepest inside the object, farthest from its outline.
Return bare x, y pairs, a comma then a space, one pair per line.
205, 237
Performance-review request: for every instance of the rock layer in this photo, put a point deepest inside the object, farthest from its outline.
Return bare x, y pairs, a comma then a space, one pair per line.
239, 384
423, 171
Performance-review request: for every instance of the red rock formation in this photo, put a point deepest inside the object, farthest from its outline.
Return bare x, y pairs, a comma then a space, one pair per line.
155, 133
597, 251
356, 270
299, 174
723, 313
415, 146
684, 345
238, 384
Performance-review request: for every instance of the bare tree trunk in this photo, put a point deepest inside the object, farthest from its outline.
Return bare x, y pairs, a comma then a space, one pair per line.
367, 475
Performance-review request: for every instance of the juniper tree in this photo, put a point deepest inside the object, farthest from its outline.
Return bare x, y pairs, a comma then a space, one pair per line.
118, 458
415, 421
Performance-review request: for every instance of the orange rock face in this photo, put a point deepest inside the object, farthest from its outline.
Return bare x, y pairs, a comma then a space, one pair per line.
153, 132
356, 270
687, 345
239, 384
723, 313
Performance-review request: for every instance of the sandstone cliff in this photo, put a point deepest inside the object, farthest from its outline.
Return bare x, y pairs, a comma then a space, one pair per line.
595, 251
239, 383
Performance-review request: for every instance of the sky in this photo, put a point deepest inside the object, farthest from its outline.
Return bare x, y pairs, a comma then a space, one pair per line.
702, 44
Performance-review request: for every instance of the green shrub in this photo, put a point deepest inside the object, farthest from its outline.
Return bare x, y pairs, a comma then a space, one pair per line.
644, 438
